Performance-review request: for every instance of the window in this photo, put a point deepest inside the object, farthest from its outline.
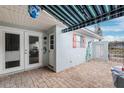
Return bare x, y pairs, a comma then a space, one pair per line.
33, 49
78, 40
12, 50
12, 42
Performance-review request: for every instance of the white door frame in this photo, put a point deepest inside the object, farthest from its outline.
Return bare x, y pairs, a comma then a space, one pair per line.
27, 65
21, 67
1, 54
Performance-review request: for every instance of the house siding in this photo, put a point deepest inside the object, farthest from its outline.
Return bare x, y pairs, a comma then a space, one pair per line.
66, 55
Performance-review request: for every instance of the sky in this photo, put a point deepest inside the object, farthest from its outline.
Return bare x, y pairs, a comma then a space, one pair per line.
113, 30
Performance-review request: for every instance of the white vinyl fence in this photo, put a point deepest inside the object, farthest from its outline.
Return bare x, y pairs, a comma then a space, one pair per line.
100, 50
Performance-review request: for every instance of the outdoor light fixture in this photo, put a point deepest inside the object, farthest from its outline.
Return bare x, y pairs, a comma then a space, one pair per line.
34, 11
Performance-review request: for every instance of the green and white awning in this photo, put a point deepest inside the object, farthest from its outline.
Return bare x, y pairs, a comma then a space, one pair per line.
78, 16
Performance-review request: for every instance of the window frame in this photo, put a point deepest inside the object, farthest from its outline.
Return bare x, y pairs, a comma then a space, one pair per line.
79, 43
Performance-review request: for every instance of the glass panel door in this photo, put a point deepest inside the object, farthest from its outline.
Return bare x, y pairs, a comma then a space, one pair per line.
52, 50
33, 54
13, 51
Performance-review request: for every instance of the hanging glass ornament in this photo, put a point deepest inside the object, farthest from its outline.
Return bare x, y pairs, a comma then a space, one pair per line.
34, 11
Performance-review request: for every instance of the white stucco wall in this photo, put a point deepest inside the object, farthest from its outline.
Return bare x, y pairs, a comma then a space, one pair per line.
66, 55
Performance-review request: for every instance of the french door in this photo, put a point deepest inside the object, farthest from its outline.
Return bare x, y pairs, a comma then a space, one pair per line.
13, 47
33, 54
19, 50
52, 50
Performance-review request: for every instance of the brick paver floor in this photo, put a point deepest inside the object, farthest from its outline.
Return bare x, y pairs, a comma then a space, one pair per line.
87, 75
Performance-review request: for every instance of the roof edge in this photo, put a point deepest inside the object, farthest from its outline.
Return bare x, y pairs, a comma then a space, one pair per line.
92, 33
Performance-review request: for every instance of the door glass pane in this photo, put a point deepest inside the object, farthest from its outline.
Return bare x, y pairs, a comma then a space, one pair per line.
51, 42
33, 49
12, 50
52, 36
51, 46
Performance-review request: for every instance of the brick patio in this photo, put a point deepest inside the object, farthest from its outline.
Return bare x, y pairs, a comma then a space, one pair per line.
88, 75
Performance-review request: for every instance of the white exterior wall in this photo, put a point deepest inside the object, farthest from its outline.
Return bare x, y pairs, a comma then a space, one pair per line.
46, 54
66, 55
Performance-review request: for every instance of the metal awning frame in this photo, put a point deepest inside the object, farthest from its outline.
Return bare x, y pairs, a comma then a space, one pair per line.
113, 11
107, 16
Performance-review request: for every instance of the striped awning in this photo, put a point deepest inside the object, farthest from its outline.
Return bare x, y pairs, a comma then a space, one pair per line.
79, 16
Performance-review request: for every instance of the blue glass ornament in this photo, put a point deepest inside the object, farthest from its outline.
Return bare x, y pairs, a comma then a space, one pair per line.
34, 11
